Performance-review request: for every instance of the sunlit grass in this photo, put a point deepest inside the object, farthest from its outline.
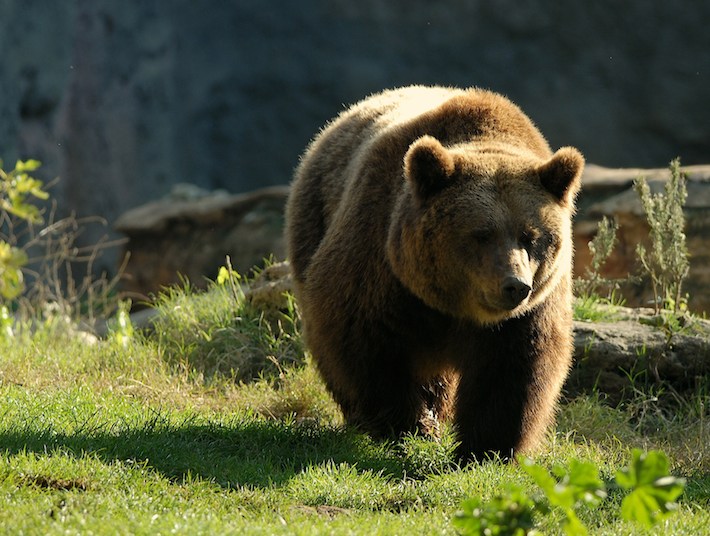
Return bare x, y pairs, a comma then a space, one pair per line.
168, 433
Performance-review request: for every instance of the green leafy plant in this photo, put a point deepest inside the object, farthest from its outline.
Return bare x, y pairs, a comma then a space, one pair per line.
568, 489
228, 276
121, 327
16, 186
666, 264
651, 498
40, 261
653, 491
590, 305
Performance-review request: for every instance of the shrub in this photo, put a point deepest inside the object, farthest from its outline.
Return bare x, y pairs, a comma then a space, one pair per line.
600, 247
667, 262
16, 187
44, 272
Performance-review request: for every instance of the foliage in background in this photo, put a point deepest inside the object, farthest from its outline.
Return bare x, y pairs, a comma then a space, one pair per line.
667, 262
16, 186
666, 265
45, 273
600, 247
586, 306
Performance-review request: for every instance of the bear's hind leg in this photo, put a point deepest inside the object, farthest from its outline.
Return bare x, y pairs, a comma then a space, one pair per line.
488, 416
384, 406
438, 398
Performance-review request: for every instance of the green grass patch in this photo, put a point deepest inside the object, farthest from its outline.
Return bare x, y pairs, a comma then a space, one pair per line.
592, 308
216, 422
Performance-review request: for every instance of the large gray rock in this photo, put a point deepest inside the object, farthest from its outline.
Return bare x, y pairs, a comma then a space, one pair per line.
635, 353
124, 99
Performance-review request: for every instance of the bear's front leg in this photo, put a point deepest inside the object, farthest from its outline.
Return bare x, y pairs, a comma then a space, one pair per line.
509, 386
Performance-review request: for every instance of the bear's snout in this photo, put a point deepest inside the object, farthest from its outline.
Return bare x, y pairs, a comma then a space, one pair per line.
514, 291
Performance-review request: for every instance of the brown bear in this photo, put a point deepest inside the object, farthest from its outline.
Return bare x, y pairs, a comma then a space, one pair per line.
429, 232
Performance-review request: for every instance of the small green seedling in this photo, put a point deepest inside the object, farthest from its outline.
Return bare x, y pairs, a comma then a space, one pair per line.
508, 514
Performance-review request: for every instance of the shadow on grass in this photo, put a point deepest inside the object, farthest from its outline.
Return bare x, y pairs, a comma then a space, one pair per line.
250, 453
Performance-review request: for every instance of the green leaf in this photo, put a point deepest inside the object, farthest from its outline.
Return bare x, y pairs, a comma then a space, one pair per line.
653, 490
223, 275
12, 260
11, 283
583, 478
27, 165
573, 526
644, 469
22, 210
539, 474
579, 483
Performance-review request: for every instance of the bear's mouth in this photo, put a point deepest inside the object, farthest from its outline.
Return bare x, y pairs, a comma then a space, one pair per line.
505, 303
505, 308
490, 312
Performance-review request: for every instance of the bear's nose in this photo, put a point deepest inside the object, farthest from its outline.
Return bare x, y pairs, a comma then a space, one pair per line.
514, 291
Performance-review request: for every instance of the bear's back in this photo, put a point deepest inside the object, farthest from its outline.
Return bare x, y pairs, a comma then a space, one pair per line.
328, 163
342, 143
357, 158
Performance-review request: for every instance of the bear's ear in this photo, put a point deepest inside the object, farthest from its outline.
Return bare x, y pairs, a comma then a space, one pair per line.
428, 166
562, 174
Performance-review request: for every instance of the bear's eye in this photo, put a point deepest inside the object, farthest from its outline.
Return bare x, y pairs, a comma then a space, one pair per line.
528, 237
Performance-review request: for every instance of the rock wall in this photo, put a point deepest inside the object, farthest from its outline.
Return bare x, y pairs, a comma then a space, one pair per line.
122, 100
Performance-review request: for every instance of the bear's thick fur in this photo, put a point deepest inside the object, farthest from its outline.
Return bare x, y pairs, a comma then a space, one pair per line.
429, 231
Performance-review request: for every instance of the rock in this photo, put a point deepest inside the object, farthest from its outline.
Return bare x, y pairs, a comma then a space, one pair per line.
617, 358
610, 192
192, 230
267, 292
171, 238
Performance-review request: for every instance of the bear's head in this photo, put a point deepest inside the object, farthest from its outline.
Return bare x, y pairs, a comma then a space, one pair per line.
483, 232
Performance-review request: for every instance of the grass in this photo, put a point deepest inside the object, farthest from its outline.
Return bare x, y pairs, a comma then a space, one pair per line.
181, 431
592, 308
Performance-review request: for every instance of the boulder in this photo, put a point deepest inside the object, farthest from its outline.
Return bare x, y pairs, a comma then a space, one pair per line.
192, 236
639, 350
